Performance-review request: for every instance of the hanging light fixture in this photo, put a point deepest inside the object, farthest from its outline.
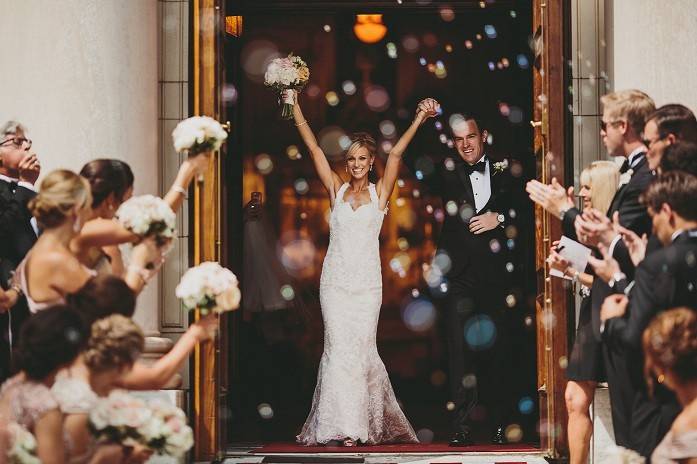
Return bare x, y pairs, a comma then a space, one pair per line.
369, 28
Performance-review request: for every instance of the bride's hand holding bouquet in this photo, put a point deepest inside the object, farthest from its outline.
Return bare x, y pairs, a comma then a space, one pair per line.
283, 74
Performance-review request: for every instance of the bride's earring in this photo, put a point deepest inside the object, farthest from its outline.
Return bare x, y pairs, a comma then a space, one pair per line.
371, 167
76, 225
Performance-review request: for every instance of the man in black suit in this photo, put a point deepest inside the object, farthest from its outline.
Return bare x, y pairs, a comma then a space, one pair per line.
471, 273
665, 279
624, 116
19, 169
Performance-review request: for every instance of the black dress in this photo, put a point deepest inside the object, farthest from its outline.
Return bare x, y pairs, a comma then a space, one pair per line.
586, 360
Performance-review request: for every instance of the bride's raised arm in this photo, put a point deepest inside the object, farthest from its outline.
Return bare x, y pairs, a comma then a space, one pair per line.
394, 159
329, 178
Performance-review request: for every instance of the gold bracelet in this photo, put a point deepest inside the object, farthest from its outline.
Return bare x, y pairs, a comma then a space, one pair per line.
304, 122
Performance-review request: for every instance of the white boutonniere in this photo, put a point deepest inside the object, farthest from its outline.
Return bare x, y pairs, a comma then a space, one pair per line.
500, 166
625, 177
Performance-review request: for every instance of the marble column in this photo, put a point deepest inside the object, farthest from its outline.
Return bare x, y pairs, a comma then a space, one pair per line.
82, 75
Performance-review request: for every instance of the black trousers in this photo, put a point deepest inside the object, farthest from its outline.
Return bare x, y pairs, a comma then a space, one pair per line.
622, 392
477, 323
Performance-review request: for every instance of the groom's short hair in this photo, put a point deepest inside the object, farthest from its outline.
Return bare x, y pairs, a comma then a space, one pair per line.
469, 116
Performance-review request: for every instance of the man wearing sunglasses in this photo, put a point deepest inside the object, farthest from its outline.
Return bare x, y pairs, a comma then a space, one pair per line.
19, 169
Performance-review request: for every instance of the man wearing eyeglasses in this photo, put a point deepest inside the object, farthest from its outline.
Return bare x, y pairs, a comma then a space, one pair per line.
19, 169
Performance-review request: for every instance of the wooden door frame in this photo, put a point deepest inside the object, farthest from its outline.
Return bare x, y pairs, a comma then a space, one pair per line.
551, 20
554, 159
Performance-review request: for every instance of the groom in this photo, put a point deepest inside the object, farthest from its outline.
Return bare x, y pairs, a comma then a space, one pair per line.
477, 236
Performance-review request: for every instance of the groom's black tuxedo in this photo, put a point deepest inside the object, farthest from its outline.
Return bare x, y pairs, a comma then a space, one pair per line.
478, 282
17, 236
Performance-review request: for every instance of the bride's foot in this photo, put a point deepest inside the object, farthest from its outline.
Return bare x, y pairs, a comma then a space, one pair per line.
349, 442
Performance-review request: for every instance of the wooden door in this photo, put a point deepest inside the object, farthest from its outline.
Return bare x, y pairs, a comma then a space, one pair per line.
553, 160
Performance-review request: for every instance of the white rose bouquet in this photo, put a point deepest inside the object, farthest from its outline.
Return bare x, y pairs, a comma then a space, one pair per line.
167, 432
127, 420
198, 134
148, 216
120, 418
209, 287
287, 73
22, 448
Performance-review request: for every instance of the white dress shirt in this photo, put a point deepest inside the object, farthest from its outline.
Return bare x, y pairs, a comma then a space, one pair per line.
481, 185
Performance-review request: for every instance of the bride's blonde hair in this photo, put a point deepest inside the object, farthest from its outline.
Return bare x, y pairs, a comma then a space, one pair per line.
115, 341
362, 140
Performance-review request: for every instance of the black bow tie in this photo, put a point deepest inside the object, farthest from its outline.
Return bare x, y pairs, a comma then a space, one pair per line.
479, 167
625, 167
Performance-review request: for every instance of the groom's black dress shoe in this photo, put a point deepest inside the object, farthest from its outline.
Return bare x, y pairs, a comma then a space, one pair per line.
461, 439
499, 437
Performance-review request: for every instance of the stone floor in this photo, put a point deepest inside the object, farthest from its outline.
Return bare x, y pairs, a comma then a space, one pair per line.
380, 458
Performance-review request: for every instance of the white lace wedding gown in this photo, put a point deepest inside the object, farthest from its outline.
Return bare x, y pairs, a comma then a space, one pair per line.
353, 397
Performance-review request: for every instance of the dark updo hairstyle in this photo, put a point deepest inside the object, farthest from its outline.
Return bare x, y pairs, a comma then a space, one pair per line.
49, 340
364, 140
670, 344
107, 176
680, 156
61, 192
675, 119
103, 296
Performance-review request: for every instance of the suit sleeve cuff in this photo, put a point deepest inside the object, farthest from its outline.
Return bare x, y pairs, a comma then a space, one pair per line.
613, 244
26, 185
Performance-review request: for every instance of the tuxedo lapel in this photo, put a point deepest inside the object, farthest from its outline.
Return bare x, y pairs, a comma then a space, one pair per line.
466, 182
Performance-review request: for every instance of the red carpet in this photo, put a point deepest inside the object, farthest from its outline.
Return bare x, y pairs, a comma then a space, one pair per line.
394, 449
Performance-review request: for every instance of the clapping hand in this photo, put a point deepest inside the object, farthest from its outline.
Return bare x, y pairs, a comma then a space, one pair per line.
614, 306
604, 268
553, 198
635, 245
594, 228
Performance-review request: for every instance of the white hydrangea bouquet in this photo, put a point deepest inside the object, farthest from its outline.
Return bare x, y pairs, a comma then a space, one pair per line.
120, 418
198, 134
125, 419
210, 288
286, 73
148, 216
22, 449
167, 432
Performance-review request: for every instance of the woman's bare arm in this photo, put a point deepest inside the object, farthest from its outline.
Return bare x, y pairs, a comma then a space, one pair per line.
329, 178
394, 159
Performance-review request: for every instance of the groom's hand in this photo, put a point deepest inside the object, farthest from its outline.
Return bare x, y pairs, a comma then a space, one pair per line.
483, 223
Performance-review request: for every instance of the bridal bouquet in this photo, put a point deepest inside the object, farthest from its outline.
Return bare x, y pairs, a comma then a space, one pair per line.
22, 448
209, 287
287, 73
148, 216
198, 134
167, 432
122, 418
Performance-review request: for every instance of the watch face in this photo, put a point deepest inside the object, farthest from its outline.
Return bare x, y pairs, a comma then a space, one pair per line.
500, 218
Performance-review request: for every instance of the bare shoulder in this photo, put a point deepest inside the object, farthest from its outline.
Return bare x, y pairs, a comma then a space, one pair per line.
686, 421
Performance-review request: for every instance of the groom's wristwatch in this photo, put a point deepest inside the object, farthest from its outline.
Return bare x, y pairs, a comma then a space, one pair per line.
501, 218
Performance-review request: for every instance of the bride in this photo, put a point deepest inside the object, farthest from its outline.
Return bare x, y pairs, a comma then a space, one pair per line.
353, 400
